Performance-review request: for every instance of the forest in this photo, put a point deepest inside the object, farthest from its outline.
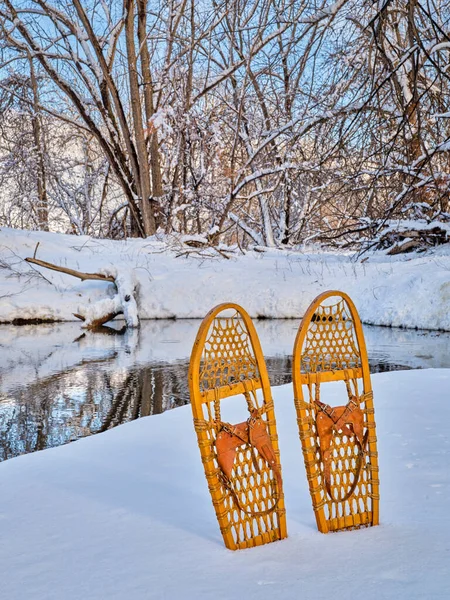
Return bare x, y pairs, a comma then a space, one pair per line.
267, 123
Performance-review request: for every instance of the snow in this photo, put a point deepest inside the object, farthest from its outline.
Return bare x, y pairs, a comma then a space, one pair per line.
410, 290
330, 11
123, 302
127, 513
415, 225
93, 312
441, 46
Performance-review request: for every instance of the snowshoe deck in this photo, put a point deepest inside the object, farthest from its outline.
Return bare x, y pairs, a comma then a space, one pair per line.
241, 462
339, 443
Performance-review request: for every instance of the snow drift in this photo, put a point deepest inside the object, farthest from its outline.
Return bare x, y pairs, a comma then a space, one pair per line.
127, 513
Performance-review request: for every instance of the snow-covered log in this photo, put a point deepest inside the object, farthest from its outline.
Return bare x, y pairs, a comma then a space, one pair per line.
106, 309
98, 313
404, 236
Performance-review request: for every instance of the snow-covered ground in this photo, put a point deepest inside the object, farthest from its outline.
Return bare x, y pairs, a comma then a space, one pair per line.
127, 514
411, 290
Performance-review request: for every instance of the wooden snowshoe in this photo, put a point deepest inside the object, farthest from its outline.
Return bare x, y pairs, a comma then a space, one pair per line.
241, 461
339, 443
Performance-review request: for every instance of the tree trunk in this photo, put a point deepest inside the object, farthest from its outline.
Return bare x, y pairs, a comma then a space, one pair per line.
42, 207
155, 159
148, 217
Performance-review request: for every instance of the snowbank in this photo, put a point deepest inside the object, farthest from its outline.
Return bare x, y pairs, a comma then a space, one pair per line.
408, 290
127, 514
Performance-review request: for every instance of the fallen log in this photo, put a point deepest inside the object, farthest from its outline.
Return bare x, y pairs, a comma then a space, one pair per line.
398, 240
405, 247
96, 323
97, 314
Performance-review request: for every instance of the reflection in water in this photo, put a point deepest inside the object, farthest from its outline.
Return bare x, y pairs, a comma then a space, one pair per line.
87, 400
57, 385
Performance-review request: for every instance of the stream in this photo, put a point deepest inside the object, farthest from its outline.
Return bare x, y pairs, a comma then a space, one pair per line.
59, 383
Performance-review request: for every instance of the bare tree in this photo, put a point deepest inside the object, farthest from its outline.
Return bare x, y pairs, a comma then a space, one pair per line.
87, 62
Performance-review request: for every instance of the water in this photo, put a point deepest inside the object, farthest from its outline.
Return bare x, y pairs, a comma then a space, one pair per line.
58, 384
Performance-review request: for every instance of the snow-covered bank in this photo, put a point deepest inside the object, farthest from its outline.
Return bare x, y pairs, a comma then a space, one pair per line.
127, 514
408, 290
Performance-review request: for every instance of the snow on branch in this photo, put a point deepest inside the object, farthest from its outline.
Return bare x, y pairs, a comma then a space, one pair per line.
324, 13
248, 230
